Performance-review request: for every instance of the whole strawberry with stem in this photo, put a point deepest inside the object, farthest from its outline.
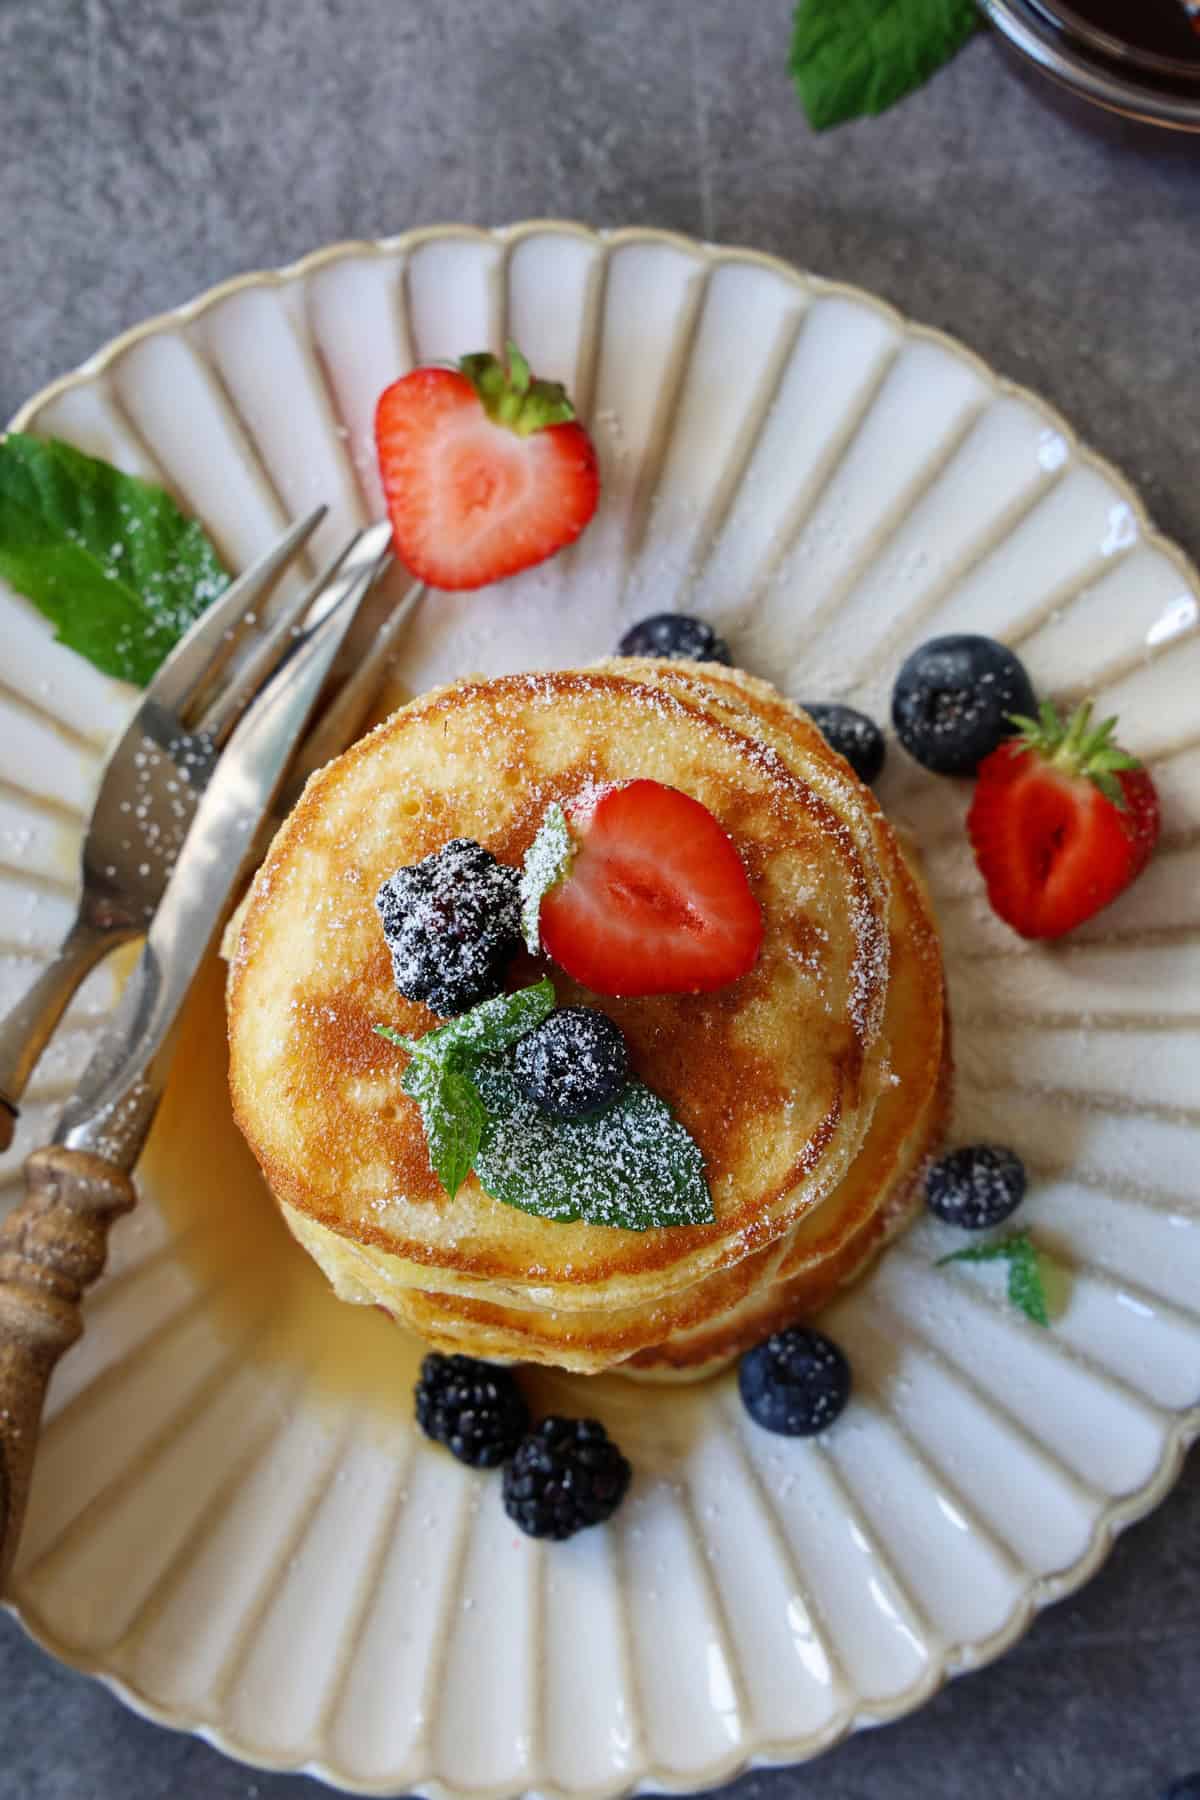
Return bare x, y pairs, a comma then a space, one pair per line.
485, 469
1062, 821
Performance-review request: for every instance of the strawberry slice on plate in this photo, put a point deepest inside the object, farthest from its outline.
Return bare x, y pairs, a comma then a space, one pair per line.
654, 900
1062, 821
485, 469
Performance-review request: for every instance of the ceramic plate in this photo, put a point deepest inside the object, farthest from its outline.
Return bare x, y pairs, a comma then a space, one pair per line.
233, 1521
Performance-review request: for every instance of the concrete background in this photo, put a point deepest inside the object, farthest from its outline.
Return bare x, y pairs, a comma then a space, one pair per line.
153, 147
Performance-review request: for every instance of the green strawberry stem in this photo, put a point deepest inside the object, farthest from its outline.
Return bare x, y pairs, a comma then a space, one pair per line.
1076, 749
510, 394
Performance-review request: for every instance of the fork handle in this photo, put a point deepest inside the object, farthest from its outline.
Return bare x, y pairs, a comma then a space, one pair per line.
52, 1246
26, 1031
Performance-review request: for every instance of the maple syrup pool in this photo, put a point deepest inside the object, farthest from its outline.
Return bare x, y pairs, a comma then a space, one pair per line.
264, 1294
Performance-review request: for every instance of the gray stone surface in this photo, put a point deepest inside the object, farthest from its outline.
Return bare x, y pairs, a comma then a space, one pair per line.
153, 147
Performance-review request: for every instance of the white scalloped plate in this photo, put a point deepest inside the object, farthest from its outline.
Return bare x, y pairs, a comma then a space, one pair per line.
233, 1521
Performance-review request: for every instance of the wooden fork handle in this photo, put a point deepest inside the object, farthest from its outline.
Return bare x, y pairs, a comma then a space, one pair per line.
52, 1246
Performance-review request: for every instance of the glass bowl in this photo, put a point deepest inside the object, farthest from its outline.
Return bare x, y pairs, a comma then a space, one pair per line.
1146, 67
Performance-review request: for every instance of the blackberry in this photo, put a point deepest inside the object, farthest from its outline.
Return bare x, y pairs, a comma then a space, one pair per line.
952, 701
976, 1187
475, 1409
1186, 1788
851, 734
567, 1474
796, 1382
575, 1063
452, 923
676, 635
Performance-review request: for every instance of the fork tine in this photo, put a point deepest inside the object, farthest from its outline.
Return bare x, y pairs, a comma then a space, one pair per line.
203, 650
354, 567
218, 719
343, 717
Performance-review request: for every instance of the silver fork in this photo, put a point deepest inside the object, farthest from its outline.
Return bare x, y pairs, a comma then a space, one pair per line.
158, 769
53, 1243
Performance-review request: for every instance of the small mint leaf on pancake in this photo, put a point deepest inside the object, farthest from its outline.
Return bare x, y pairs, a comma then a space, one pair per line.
633, 1166
439, 1076
490, 1026
452, 1114
1026, 1279
110, 560
547, 860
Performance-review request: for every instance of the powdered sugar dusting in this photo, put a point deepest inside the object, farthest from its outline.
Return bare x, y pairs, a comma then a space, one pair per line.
632, 1167
546, 862
451, 922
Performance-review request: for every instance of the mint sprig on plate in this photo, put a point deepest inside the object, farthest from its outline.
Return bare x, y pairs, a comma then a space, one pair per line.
860, 56
111, 561
633, 1166
1026, 1282
547, 860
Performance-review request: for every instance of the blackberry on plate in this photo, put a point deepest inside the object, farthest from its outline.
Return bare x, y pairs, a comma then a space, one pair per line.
976, 1187
852, 734
575, 1063
795, 1383
567, 1474
452, 922
475, 1409
676, 635
952, 701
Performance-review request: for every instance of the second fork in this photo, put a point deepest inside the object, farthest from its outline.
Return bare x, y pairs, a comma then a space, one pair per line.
154, 776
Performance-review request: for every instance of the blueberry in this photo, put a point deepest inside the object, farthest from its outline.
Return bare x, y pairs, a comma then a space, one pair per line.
452, 923
676, 635
575, 1063
851, 734
796, 1382
976, 1187
952, 699
1186, 1788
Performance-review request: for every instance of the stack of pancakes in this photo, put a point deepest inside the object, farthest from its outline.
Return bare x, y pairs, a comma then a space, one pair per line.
815, 1086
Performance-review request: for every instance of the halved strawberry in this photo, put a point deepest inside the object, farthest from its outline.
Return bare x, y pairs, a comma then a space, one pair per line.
484, 469
1062, 821
655, 899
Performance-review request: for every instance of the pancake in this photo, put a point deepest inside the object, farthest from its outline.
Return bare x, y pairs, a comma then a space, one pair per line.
777, 1077
695, 1331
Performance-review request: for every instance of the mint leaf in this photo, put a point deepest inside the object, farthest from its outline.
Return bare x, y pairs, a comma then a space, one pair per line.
997, 1252
633, 1166
1026, 1286
861, 56
492, 1025
111, 561
440, 1077
1026, 1289
452, 1114
546, 862
451, 1110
